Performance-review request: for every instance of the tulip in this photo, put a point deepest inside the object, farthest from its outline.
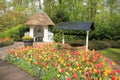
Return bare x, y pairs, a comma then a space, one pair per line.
62, 70
88, 78
69, 64
95, 70
99, 71
113, 78
69, 79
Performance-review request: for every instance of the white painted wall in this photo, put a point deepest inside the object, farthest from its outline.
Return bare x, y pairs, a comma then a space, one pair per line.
46, 34
31, 31
45, 38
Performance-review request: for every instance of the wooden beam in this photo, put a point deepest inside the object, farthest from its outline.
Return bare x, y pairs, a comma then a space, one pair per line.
63, 39
87, 38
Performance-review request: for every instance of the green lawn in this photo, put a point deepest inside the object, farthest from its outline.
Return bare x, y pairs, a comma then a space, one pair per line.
113, 53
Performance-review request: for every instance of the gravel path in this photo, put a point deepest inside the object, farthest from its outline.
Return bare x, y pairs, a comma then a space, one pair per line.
4, 49
9, 71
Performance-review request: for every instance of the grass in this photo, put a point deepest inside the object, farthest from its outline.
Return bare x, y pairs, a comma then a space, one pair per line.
113, 53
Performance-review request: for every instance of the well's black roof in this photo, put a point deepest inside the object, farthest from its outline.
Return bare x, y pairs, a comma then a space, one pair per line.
76, 26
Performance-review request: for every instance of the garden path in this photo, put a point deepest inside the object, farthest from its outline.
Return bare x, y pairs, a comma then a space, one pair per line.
9, 71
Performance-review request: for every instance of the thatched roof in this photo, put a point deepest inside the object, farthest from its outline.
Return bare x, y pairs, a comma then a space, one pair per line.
39, 19
76, 26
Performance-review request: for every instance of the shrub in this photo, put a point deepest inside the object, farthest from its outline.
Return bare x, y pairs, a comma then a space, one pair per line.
115, 44
76, 43
6, 42
58, 37
98, 45
52, 63
12, 18
16, 32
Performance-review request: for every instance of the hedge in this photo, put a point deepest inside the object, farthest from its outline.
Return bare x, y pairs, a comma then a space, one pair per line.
15, 32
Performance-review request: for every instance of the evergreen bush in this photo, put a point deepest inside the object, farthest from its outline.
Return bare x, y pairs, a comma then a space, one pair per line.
15, 32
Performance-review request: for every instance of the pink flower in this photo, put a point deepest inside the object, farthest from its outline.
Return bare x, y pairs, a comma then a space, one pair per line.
113, 78
69, 64
62, 70
69, 79
38, 62
88, 78
76, 53
98, 71
112, 72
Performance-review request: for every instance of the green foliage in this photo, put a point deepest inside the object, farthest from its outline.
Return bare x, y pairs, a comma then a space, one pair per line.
113, 53
10, 19
95, 44
16, 32
104, 13
60, 16
58, 37
58, 47
98, 45
76, 43
115, 44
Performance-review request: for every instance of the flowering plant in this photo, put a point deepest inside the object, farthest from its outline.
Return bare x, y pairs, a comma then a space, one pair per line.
51, 63
27, 38
6, 41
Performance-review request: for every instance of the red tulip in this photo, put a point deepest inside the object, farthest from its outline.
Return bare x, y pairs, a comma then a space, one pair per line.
44, 64
113, 78
69, 79
112, 72
69, 64
98, 71
38, 62
66, 69
76, 53
76, 76
55, 64
88, 78
62, 70
118, 71
55, 79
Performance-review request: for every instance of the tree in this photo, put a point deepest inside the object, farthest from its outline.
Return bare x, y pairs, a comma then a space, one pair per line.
3, 5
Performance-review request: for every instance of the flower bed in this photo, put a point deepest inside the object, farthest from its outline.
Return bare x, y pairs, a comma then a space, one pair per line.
52, 63
27, 38
6, 42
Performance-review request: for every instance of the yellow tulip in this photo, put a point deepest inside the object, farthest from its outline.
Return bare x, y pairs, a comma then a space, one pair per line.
47, 66
30, 59
75, 69
58, 75
67, 73
64, 64
80, 71
78, 67
70, 68
100, 79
